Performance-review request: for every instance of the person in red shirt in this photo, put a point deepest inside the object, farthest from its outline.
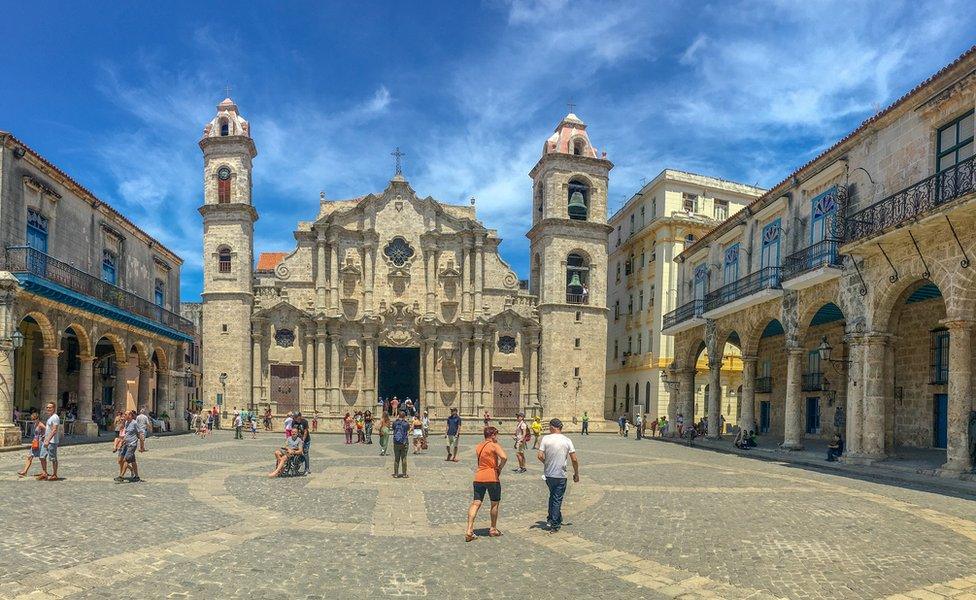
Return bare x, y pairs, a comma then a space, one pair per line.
491, 460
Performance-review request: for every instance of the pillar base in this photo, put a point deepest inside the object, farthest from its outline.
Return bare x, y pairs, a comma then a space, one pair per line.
954, 468
86, 429
792, 446
10, 436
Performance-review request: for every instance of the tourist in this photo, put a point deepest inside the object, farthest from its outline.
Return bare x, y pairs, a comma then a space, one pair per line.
394, 406
347, 427
753, 442
410, 408
360, 424
133, 440
292, 447
289, 420
536, 432
487, 419
267, 419
586, 423
238, 426
35, 447
680, 420
384, 433
639, 427
300, 426
210, 422
425, 423
453, 435
417, 426
368, 424
553, 453
315, 422
490, 461
254, 427
654, 425
142, 420
49, 444
622, 424
835, 449
401, 433
522, 437
741, 440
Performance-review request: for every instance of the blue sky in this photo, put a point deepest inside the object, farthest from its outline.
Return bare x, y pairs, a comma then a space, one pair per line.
118, 95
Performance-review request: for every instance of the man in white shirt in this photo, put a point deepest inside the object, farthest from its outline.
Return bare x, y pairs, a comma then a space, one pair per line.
145, 428
555, 451
49, 447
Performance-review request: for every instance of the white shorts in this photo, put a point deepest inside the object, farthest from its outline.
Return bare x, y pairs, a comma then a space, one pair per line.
418, 433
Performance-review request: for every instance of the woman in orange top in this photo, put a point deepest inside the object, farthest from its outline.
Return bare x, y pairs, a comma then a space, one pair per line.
491, 460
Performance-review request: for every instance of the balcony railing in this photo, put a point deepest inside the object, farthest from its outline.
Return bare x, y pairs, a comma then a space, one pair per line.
683, 313
812, 382
821, 254
23, 259
763, 279
912, 202
577, 298
764, 385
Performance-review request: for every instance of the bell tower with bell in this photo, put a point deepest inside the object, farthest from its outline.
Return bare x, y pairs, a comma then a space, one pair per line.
568, 261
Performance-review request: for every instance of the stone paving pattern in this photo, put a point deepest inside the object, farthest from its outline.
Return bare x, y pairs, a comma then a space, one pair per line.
648, 520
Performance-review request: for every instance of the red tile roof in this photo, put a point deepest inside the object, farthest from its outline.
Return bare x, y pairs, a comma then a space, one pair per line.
267, 261
777, 190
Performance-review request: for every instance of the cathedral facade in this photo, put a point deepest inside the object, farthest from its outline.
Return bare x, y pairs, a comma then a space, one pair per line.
393, 294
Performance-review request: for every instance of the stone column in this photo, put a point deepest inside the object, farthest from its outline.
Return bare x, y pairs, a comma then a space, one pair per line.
687, 390
463, 378
321, 368
257, 366
465, 278
9, 431
873, 423
793, 430
84, 425
178, 381
144, 395
369, 370
368, 264
162, 393
533, 378
321, 277
121, 392
334, 274
335, 370
855, 396
49, 377
715, 397
747, 414
479, 257
430, 278
477, 398
960, 390
308, 369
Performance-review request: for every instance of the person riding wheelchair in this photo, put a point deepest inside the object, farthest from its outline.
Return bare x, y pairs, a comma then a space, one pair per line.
290, 458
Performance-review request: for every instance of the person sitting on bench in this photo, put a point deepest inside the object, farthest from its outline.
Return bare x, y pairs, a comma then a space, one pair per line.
293, 447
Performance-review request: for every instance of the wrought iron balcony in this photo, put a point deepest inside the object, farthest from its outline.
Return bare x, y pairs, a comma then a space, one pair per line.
26, 260
683, 313
821, 254
766, 278
912, 202
813, 382
764, 385
577, 298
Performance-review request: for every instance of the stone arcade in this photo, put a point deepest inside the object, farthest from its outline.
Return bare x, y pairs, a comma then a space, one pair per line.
391, 293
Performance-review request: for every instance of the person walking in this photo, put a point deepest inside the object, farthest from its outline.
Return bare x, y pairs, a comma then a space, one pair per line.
50, 443
238, 426
35, 447
384, 433
522, 437
554, 452
360, 427
368, 424
133, 440
425, 424
536, 432
417, 427
491, 460
453, 435
401, 435
639, 427
586, 424
144, 423
347, 426
680, 422
300, 424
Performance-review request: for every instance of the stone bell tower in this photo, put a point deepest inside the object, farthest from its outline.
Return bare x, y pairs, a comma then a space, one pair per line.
568, 254
228, 239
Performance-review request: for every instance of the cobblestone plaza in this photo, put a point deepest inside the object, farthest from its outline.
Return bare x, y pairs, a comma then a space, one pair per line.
647, 520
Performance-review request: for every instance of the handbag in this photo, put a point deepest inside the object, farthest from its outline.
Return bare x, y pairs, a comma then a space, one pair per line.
35, 444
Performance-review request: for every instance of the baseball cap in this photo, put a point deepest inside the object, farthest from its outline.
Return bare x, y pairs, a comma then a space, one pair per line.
556, 423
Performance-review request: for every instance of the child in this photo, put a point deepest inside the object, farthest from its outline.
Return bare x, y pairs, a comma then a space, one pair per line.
35, 449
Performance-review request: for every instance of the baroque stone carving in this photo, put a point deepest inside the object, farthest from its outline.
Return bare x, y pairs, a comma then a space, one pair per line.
399, 325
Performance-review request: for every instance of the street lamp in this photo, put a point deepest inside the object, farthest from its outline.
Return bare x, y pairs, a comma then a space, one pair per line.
17, 340
670, 385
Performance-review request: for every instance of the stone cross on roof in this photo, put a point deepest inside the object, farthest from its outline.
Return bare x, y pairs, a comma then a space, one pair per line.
396, 154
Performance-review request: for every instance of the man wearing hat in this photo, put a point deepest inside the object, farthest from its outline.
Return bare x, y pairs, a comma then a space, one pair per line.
238, 426
522, 436
554, 452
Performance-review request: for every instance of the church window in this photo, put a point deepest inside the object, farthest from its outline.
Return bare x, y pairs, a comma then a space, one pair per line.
223, 260
689, 202
223, 328
575, 371
398, 251
224, 127
577, 272
109, 266
159, 292
36, 231
576, 342
285, 338
579, 316
506, 344
721, 209
579, 201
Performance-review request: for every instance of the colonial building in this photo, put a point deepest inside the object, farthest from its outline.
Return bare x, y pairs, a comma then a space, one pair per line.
89, 313
192, 357
668, 213
394, 294
852, 295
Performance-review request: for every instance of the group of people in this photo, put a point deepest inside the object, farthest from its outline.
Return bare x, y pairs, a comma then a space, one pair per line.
44, 444
360, 423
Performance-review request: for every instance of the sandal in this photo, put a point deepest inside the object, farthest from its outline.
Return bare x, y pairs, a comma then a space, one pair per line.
494, 533
53, 479
21, 474
41, 477
470, 537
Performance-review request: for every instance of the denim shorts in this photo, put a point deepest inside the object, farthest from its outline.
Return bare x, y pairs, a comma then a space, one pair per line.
128, 453
50, 452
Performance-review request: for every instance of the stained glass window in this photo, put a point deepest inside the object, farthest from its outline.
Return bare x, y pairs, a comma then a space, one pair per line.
398, 251
506, 344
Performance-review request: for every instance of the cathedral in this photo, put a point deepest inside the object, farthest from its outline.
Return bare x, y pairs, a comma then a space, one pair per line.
394, 294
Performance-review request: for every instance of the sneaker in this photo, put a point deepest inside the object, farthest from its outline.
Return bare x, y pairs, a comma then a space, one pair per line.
120, 479
135, 479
